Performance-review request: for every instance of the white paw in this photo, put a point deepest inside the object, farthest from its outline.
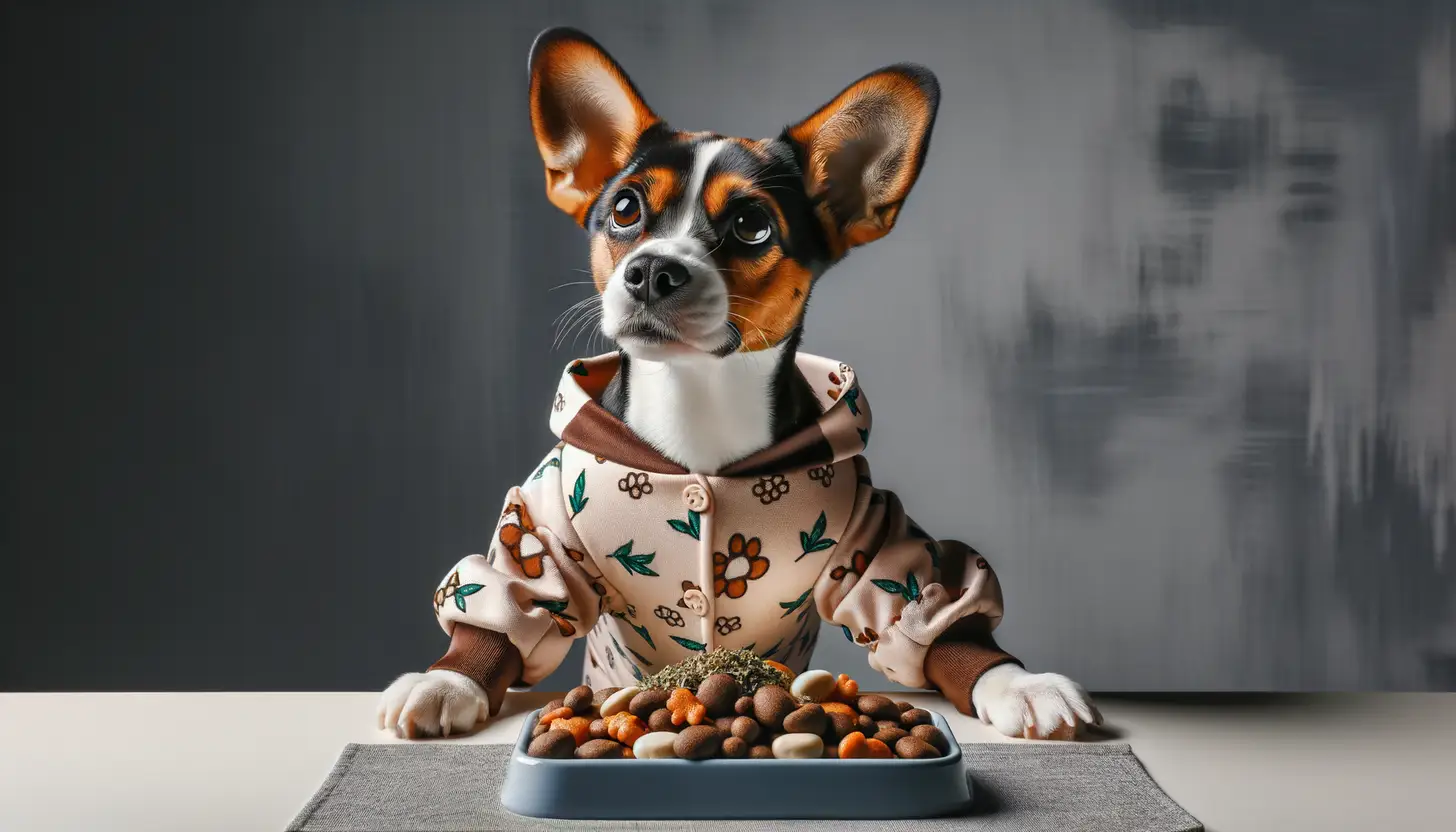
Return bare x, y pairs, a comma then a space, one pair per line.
437, 703
1032, 705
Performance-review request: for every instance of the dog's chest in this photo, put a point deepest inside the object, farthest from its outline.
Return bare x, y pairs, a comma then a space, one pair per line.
693, 563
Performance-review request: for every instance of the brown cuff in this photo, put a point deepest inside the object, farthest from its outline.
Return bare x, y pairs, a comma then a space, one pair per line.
955, 661
485, 656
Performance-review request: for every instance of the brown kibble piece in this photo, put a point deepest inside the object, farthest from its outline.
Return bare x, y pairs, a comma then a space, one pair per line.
725, 723
877, 707
891, 735
914, 748
553, 745
771, 704
842, 724
866, 724
698, 742
579, 700
806, 719
540, 729
661, 720
760, 752
601, 750
554, 705
932, 735
718, 693
598, 729
745, 728
913, 717
644, 703
904, 706
735, 748
744, 706
601, 696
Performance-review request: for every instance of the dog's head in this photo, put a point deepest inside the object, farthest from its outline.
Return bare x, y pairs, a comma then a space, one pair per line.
703, 245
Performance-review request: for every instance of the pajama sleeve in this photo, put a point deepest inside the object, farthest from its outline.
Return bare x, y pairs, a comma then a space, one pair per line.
924, 608
513, 612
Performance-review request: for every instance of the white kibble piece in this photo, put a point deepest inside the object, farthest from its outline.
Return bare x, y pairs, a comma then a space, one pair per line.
813, 685
798, 747
655, 746
617, 702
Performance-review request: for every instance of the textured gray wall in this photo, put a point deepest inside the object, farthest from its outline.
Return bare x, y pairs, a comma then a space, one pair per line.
1166, 328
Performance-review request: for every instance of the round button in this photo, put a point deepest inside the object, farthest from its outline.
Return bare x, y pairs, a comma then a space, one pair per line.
696, 601
696, 498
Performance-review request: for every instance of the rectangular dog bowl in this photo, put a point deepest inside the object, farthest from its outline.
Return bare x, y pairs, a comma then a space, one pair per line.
722, 789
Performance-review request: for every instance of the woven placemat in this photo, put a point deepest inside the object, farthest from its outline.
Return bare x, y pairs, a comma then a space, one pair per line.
1058, 787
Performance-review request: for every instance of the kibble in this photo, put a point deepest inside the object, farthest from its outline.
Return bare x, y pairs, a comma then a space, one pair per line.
617, 702
579, 700
798, 747
932, 735
540, 729
760, 752
813, 685
644, 703
553, 745
904, 706
877, 707
601, 750
914, 748
735, 748
718, 693
913, 717
661, 720
657, 745
806, 719
891, 734
598, 729
770, 705
745, 728
698, 742
744, 706
601, 696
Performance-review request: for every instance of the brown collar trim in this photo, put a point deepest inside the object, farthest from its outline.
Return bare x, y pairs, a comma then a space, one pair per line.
598, 432
801, 450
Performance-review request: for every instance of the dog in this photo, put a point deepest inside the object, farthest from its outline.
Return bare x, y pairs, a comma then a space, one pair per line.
710, 487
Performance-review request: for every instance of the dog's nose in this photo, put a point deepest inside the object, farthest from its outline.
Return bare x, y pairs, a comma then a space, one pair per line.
651, 278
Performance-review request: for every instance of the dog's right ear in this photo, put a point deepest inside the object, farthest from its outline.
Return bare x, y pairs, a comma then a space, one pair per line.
586, 114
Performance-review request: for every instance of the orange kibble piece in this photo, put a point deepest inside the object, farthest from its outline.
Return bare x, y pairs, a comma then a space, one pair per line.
878, 750
560, 713
845, 689
685, 707
854, 746
838, 708
578, 726
625, 728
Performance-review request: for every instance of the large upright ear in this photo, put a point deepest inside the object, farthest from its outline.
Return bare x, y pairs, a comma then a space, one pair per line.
863, 151
586, 114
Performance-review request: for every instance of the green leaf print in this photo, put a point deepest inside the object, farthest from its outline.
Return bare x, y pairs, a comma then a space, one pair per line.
691, 527
789, 606
864, 437
636, 673
634, 563
553, 462
910, 590
690, 644
772, 650
462, 591
814, 540
640, 658
578, 494
851, 398
556, 607
847, 634
642, 631
934, 554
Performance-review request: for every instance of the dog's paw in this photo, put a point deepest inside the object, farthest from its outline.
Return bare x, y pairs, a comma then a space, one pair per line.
1032, 705
437, 703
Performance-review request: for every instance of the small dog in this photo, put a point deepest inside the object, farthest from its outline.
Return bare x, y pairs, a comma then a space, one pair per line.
710, 488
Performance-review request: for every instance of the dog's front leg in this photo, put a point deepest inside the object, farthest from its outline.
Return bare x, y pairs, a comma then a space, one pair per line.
1032, 705
432, 704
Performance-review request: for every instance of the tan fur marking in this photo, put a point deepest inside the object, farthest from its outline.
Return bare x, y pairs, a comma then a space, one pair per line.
767, 298
722, 188
660, 184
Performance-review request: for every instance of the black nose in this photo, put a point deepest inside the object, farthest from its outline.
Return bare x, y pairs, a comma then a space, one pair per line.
651, 278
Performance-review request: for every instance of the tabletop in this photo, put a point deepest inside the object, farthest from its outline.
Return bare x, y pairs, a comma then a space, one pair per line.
249, 761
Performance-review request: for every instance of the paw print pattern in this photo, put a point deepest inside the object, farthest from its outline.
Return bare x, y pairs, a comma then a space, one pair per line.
771, 489
671, 616
635, 484
822, 474
727, 625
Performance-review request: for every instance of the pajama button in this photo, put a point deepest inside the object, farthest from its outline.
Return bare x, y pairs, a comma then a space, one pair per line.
696, 601
696, 498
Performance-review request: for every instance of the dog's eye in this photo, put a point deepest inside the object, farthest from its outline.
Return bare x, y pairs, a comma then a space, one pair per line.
751, 225
626, 210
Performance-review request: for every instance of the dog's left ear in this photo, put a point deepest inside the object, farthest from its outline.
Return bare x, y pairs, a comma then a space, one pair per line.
586, 114
863, 151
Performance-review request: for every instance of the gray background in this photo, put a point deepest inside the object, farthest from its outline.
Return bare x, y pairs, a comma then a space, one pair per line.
1165, 328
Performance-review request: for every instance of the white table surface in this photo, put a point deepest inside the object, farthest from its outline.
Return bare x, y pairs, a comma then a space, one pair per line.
249, 761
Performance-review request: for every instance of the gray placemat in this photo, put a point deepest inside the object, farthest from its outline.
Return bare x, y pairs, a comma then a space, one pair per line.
1019, 788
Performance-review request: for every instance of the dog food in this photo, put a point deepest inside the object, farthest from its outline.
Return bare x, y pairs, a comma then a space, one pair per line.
734, 705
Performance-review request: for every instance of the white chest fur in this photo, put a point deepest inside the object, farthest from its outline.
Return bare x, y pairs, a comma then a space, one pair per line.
704, 413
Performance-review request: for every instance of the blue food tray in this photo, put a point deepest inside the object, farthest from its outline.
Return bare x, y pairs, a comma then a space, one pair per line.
722, 789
